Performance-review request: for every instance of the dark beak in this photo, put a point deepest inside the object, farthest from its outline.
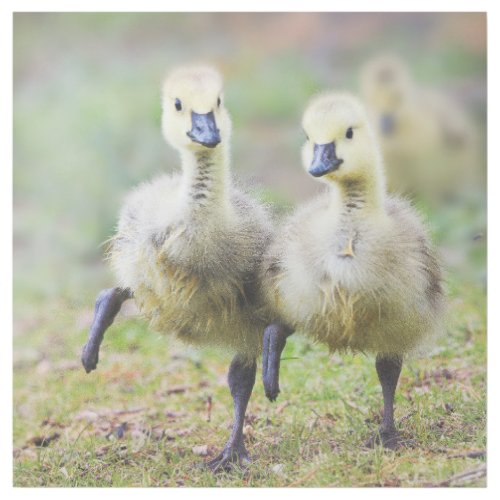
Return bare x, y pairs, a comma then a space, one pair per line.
387, 123
324, 160
204, 130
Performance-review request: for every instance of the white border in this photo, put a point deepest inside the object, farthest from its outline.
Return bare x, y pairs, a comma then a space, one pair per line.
7, 7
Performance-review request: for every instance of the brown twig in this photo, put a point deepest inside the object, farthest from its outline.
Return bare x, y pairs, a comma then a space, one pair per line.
209, 408
469, 475
127, 412
469, 454
303, 479
282, 406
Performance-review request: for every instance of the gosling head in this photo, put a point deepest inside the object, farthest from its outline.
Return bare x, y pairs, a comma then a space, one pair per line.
386, 87
340, 144
194, 117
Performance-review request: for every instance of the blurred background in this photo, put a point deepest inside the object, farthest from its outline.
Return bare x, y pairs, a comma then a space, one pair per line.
87, 120
87, 128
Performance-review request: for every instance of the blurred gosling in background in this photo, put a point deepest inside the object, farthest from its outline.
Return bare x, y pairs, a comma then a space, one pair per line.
429, 143
354, 268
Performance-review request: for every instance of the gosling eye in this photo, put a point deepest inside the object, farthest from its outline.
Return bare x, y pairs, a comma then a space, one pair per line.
349, 133
178, 104
218, 102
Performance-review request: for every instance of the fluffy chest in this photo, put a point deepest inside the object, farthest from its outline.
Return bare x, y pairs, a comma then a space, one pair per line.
329, 270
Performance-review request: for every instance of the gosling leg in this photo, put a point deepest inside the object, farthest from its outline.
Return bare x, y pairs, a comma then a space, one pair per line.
388, 370
274, 342
108, 303
241, 379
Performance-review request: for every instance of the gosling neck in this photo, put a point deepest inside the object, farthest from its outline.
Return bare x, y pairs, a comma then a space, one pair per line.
363, 194
205, 183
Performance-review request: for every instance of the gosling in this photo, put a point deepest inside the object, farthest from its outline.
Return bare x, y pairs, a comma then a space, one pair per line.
354, 268
188, 247
430, 144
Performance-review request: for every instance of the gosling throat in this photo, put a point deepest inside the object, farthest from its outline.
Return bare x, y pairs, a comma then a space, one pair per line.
358, 200
206, 179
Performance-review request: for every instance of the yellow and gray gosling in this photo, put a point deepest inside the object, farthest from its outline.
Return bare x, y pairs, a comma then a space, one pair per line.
429, 143
188, 247
354, 268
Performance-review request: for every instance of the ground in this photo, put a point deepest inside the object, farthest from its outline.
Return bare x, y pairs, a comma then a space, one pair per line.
154, 411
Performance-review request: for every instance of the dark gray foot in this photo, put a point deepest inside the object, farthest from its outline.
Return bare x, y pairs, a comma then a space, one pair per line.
90, 357
230, 458
388, 439
271, 388
108, 303
274, 341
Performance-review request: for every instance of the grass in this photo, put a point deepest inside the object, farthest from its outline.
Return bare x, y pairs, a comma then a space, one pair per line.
141, 418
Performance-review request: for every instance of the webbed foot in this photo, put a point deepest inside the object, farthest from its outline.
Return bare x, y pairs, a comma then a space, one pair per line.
230, 458
271, 387
90, 356
391, 440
